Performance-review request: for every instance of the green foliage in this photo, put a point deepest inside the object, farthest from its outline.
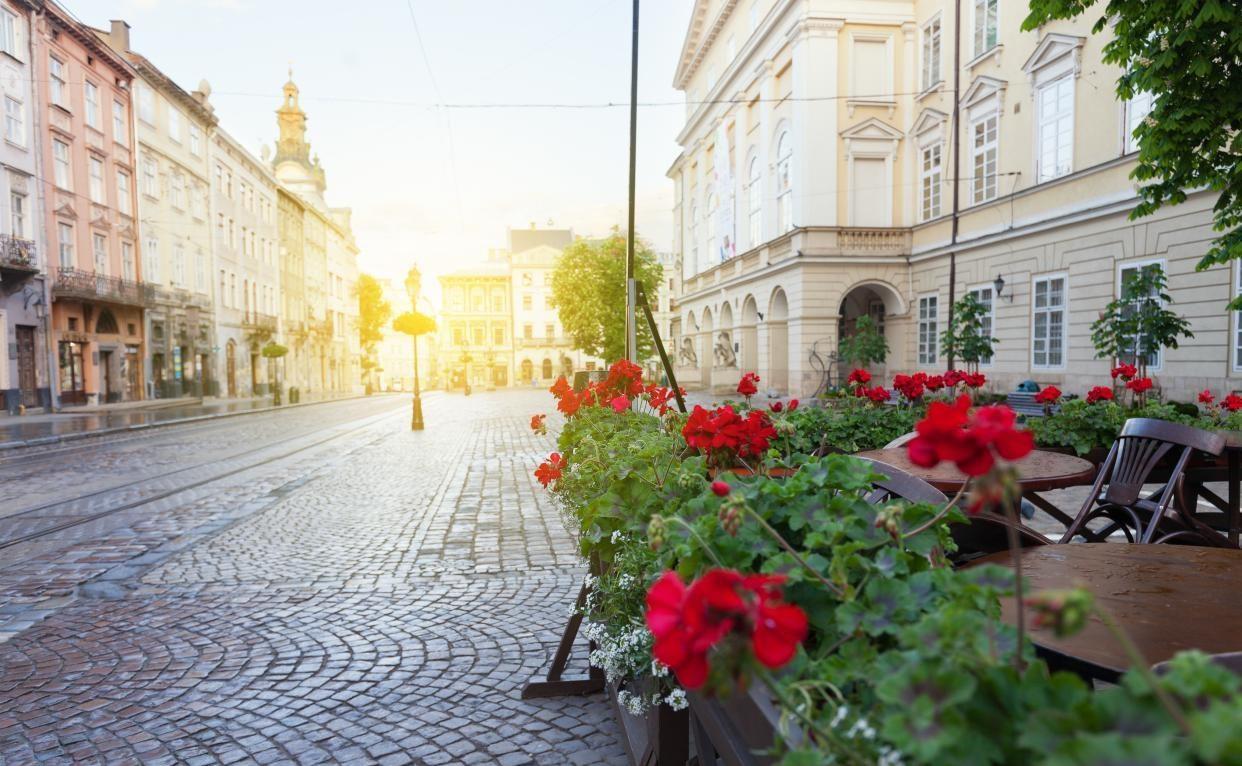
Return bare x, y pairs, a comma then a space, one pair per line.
373, 311
866, 346
588, 290
850, 427
1136, 326
964, 337
273, 350
1083, 427
1185, 52
414, 323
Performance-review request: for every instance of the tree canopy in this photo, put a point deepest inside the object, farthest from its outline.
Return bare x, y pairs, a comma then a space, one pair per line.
1186, 53
965, 337
588, 290
1136, 326
373, 311
865, 346
414, 323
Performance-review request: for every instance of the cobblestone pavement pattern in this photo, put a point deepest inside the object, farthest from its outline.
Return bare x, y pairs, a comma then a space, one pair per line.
380, 598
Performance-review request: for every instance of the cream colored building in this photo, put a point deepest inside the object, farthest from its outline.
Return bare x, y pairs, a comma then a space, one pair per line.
476, 326
395, 352
827, 129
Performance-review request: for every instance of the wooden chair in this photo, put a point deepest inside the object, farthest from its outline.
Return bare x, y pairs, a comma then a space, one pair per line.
900, 485
1117, 496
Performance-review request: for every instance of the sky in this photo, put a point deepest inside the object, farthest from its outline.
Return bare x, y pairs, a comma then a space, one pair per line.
428, 185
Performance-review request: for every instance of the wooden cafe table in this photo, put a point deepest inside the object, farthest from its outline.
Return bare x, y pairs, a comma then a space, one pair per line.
1167, 598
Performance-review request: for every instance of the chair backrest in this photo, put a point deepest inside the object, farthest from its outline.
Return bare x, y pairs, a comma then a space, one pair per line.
901, 485
901, 441
1142, 445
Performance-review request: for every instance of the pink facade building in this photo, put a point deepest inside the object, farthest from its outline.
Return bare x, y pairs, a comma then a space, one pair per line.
89, 204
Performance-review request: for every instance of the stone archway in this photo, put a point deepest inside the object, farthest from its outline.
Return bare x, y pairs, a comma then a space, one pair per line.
748, 332
706, 345
878, 300
777, 322
527, 371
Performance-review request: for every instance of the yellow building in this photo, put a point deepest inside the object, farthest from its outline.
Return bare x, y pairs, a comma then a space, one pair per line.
476, 326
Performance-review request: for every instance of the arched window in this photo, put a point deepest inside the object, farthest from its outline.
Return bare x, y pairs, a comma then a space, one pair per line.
547, 368
694, 236
754, 193
528, 370
784, 183
713, 247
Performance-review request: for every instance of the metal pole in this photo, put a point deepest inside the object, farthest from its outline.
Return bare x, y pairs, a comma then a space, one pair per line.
416, 419
631, 297
957, 158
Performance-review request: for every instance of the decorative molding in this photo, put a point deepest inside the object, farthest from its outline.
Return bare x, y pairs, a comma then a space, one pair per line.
874, 129
1051, 49
982, 89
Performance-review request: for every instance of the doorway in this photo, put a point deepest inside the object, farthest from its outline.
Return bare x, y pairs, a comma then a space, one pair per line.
230, 368
106, 395
132, 374
72, 386
26, 378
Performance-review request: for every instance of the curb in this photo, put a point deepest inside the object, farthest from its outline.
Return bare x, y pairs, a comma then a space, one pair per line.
43, 441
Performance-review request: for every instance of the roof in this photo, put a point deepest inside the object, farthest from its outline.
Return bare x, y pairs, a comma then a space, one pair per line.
521, 240
700, 34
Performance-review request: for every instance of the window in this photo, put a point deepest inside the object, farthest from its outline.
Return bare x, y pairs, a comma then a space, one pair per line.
931, 53
754, 196
1130, 271
985, 25
871, 79
91, 93
713, 250
459, 337
96, 177
17, 214
60, 164
178, 265
983, 149
1137, 110
127, 261
694, 234
99, 244
146, 105
174, 124
928, 330
150, 184
528, 302
64, 241
178, 190
151, 257
200, 271
1055, 104
988, 320
196, 140
528, 331
549, 331
56, 81
224, 289
930, 182
478, 336
498, 336
1048, 322
784, 183
8, 33
120, 125
14, 121
123, 201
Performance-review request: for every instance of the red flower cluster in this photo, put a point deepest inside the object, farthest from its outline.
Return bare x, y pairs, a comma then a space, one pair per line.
1206, 397
910, 386
970, 379
724, 430
1124, 371
537, 425
859, 377
778, 407
624, 383
1233, 403
549, 470
1048, 395
951, 432
620, 403
687, 622
1139, 385
1099, 394
748, 386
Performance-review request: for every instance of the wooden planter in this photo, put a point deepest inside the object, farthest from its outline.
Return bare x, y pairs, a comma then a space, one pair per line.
739, 730
779, 472
660, 738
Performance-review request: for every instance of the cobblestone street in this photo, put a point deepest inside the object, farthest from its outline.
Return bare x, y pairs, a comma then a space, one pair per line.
313, 586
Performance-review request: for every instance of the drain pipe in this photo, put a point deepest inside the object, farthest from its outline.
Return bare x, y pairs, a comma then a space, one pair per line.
957, 157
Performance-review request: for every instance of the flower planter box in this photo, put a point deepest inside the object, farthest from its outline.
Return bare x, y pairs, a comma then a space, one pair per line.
739, 730
779, 472
659, 738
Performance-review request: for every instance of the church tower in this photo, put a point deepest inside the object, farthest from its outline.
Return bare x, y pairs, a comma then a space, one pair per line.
293, 164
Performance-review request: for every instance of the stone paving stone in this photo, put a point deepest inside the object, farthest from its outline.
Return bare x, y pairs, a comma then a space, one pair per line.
386, 609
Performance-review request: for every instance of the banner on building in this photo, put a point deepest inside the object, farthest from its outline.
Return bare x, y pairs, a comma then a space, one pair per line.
724, 196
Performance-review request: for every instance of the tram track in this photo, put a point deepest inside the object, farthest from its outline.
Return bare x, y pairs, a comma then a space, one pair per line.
74, 520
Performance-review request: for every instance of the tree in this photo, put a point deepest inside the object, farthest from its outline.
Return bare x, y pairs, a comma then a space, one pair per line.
965, 338
1134, 327
414, 324
373, 313
588, 290
1186, 53
866, 346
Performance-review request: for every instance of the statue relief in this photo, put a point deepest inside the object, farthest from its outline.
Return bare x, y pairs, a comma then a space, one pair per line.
687, 357
724, 350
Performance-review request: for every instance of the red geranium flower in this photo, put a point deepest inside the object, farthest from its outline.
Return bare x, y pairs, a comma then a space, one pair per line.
1206, 397
859, 376
725, 434
620, 403
934, 382
550, 469
776, 406
1099, 394
1233, 403
952, 378
1124, 371
1139, 385
910, 387
793, 404
950, 433
560, 387
974, 379
1048, 395
748, 386
879, 394
720, 488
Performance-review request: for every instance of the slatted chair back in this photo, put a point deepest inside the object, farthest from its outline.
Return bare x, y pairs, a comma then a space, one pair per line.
1117, 494
902, 440
900, 485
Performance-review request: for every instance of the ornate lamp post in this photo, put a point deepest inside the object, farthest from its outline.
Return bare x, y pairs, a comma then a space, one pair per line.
413, 282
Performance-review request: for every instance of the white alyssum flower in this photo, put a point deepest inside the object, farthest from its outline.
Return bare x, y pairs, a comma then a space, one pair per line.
677, 700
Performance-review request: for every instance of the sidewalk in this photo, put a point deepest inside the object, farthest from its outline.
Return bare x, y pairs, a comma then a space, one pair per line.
74, 423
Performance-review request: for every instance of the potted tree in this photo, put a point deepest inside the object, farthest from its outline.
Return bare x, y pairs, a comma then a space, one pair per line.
274, 350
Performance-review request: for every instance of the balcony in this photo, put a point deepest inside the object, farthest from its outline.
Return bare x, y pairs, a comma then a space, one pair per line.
17, 259
89, 286
257, 322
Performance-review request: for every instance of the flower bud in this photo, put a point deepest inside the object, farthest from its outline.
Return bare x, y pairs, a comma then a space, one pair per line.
720, 488
657, 530
1065, 612
889, 519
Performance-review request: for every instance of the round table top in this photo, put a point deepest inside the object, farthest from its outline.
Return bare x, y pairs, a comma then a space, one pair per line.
1039, 471
1168, 598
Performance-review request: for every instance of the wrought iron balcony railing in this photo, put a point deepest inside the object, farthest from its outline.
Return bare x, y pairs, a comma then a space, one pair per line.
87, 285
257, 321
17, 254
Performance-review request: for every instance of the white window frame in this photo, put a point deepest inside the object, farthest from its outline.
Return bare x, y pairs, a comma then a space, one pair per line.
150, 178
1062, 165
178, 265
62, 164
151, 260
93, 112
754, 201
991, 315
9, 33
146, 105
196, 140
99, 249
176, 122
933, 336
784, 182
124, 203
57, 89
978, 26
980, 183
1134, 112
64, 245
14, 121
95, 172
932, 49
931, 182
1141, 264
128, 267
176, 185
17, 214
120, 123
1064, 308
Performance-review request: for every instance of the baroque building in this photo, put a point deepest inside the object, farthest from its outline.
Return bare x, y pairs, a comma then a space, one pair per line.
173, 137
89, 206
290, 213
25, 380
476, 326
847, 158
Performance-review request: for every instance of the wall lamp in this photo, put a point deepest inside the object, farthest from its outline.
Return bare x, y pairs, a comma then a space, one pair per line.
998, 289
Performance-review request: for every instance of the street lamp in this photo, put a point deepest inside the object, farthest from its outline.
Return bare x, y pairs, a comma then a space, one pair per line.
413, 281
